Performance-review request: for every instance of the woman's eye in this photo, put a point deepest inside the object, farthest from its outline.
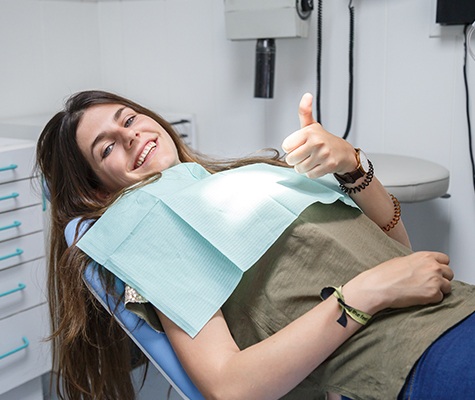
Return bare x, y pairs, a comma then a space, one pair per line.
107, 150
129, 121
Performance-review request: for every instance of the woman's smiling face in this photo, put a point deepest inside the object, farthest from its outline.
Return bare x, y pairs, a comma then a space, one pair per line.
122, 146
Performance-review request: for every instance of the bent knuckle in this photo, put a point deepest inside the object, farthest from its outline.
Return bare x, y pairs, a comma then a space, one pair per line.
332, 164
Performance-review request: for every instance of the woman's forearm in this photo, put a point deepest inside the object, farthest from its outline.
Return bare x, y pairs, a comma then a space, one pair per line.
377, 204
268, 369
291, 355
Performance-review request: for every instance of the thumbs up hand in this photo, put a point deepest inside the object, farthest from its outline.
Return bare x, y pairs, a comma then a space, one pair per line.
315, 152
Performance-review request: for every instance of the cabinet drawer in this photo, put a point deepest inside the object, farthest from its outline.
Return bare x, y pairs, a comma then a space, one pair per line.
31, 390
16, 159
21, 249
18, 194
21, 361
22, 287
20, 222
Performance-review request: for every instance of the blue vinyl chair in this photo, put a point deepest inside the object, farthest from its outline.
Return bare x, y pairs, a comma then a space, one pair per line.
153, 344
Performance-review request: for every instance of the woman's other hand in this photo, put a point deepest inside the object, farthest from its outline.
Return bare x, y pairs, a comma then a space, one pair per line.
416, 279
315, 152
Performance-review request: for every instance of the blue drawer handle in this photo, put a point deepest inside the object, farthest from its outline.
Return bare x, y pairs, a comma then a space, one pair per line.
9, 167
15, 224
10, 196
25, 344
16, 253
21, 286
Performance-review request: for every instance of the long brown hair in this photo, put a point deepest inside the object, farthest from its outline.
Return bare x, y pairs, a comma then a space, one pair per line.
91, 353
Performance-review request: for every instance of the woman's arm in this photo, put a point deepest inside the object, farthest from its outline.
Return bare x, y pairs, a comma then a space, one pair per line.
271, 368
268, 369
376, 203
314, 151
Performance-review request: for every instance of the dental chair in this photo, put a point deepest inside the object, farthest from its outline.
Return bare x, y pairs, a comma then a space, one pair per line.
153, 344
409, 179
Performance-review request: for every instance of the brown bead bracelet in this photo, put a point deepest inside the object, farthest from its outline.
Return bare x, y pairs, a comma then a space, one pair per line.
397, 214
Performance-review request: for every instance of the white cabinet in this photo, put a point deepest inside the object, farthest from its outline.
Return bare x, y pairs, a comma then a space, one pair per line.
24, 326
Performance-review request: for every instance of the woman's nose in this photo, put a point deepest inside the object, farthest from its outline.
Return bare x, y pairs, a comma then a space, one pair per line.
133, 135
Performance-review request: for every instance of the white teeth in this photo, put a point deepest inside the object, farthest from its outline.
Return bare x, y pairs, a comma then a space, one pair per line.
145, 152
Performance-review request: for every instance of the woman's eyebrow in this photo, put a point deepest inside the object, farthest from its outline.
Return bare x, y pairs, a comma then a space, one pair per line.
101, 135
118, 113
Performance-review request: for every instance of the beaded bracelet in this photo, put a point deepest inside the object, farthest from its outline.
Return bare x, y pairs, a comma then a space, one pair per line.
397, 214
367, 180
357, 315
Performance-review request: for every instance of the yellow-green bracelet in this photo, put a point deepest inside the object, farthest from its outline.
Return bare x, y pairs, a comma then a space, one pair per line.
357, 315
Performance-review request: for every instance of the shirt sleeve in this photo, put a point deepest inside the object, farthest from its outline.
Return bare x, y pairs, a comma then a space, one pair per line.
141, 307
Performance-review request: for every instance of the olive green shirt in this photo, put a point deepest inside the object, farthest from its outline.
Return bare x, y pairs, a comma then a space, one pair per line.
327, 246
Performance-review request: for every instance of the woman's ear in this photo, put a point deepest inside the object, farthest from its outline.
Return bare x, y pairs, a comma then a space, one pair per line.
103, 194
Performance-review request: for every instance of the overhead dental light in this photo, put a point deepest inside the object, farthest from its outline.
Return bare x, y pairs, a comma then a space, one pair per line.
265, 21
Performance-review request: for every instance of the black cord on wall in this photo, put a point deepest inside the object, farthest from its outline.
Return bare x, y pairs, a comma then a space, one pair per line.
350, 69
467, 105
318, 94
318, 112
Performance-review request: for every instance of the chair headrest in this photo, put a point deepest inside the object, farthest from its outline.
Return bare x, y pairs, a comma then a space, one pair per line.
70, 230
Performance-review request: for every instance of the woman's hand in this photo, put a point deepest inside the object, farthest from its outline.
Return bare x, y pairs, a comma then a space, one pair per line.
315, 152
416, 279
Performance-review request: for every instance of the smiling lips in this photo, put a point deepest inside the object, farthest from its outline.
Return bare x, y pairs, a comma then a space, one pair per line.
146, 151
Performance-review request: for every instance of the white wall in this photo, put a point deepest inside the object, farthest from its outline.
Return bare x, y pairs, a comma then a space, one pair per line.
173, 55
48, 50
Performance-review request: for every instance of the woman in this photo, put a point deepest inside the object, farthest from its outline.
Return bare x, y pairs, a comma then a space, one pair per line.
273, 337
